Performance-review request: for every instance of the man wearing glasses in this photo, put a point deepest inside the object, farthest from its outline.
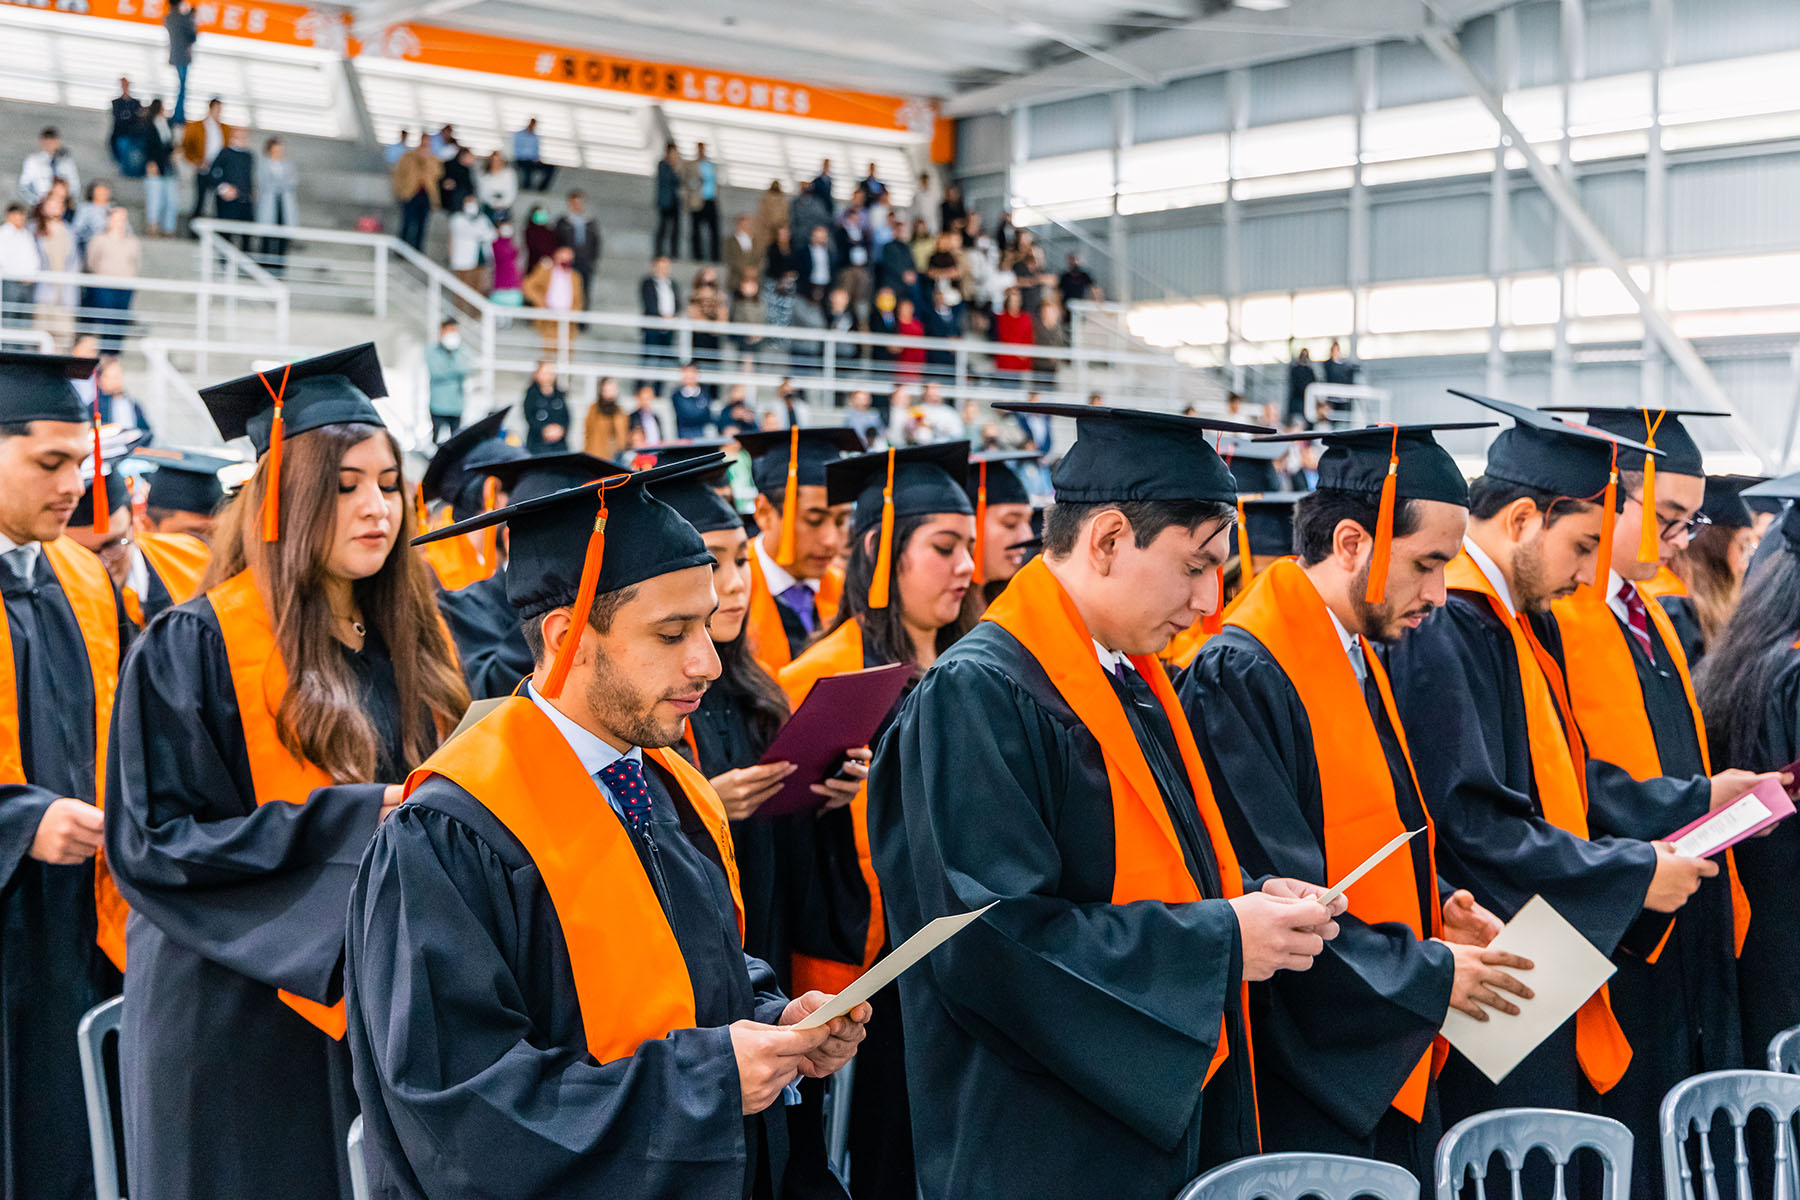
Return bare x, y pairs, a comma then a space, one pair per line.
1675, 995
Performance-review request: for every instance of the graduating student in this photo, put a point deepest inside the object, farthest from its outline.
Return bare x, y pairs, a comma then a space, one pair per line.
1500, 757
795, 582
1749, 691
262, 732
153, 571
481, 620
1091, 1023
1631, 694
1700, 586
1002, 518
908, 596
1295, 720
61, 633
460, 476
186, 491
1264, 533
548, 991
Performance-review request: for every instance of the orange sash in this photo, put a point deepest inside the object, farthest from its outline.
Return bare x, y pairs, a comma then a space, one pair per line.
1283, 611
1185, 646
179, 560
458, 562
839, 651
1148, 863
1664, 583
259, 681
1609, 703
1559, 771
630, 978
768, 640
90, 594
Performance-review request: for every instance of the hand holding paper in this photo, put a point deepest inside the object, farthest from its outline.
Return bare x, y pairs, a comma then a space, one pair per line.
891, 968
1751, 813
1367, 865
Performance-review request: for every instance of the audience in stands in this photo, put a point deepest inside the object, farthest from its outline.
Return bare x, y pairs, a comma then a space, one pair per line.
644, 427
580, 232
771, 213
123, 139
497, 185
604, 431
700, 190
233, 179
692, 404
51, 162
808, 211
448, 365
113, 251
668, 203
546, 412
508, 279
277, 200
443, 143
1301, 375
201, 142
416, 178
781, 258
658, 296
458, 179
706, 305
90, 216
18, 258
1339, 369
178, 26
116, 404
860, 415
162, 204
554, 285
818, 265
741, 257
872, 187
1075, 283
54, 311
747, 308
396, 150
471, 236
534, 173
928, 202
540, 237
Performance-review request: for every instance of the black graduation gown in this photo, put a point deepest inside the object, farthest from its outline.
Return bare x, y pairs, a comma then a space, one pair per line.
1456, 685
489, 641
1687, 627
1321, 1085
156, 599
1059, 1044
1679, 1013
467, 1035
230, 901
51, 972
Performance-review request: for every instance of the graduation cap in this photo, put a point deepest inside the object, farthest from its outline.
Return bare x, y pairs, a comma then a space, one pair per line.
915, 481
544, 474
1252, 464
1393, 463
1565, 458
546, 569
332, 389
38, 387
699, 503
1724, 504
664, 453
1129, 454
992, 481
184, 480
1661, 428
118, 495
1265, 528
786, 460
463, 460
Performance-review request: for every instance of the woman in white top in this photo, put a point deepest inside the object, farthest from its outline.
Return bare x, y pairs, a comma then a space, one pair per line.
56, 302
497, 186
471, 233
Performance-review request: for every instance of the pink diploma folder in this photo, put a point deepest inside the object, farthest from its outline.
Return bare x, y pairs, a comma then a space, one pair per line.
1762, 806
842, 712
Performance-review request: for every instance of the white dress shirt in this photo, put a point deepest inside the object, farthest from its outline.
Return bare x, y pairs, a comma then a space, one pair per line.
1352, 646
1615, 581
665, 297
1491, 569
137, 579
778, 577
32, 551
1112, 661
592, 750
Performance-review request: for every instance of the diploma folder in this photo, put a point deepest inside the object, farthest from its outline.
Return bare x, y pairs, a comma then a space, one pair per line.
841, 713
1756, 810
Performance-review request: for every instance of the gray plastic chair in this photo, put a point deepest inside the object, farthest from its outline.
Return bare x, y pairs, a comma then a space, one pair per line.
1291, 1176
1784, 1052
837, 1120
1688, 1111
359, 1170
1514, 1133
96, 1025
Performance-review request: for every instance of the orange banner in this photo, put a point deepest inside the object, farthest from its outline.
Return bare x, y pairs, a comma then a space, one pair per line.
260, 20
653, 80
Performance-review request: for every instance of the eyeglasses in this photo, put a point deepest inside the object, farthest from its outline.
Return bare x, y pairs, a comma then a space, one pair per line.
1669, 530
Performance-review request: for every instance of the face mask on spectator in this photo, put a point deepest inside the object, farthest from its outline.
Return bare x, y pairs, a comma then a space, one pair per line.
884, 303
470, 208
452, 340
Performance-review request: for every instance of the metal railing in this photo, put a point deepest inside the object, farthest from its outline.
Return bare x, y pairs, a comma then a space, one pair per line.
245, 305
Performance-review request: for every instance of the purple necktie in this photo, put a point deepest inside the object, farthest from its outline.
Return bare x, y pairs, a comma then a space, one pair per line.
624, 777
799, 600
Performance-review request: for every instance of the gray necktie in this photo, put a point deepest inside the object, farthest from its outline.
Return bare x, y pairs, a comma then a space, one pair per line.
19, 561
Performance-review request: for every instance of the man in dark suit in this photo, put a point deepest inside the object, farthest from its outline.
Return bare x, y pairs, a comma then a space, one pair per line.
668, 201
232, 176
818, 266
658, 297
581, 234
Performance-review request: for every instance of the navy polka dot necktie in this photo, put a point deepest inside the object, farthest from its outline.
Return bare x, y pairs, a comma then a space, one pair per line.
624, 778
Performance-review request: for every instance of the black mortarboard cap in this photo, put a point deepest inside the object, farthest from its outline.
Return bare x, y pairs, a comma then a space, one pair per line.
184, 480
1003, 483
818, 446
1252, 464
118, 495
542, 475
1680, 453
926, 480
699, 503
1269, 522
1123, 454
1356, 460
461, 463
36, 387
332, 389
1724, 504
1542, 451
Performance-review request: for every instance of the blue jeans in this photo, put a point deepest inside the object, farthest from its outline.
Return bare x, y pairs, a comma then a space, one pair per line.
179, 115
414, 214
161, 204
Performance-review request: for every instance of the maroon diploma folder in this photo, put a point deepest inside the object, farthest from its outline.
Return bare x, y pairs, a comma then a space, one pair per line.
841, 713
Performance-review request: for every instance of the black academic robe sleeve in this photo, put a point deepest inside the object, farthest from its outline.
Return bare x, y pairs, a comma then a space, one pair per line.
1255, 738
485, 1087
257, 889
1120, 1003
489, 643
1456, 685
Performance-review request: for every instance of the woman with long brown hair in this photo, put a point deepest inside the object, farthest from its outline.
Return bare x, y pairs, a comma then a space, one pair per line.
1700, 589
908, 596
261, 735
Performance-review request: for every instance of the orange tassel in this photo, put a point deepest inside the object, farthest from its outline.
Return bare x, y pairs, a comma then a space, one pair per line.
271, 513
1650, 536
1383, 552
884, 554
490, 537
584, 603
1246, 564
421, 514
1609, 500
790, 501
980, 523
102, 518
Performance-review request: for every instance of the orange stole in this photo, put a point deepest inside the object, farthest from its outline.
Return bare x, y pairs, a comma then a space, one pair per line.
1559, 771
179, 560
839, 651
1148, 863
1664, 583
768, 640
457, 563
1609, 703
90, 593
630, 978
259, 681
1283, 611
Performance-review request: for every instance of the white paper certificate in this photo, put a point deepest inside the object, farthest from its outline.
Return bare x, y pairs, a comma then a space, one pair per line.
1710, 836
1568, 971
890, 968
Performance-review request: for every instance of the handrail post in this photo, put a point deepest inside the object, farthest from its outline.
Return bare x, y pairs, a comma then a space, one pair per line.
962, 372
203, 304
830, 377
488, 336
231, 313
381, 279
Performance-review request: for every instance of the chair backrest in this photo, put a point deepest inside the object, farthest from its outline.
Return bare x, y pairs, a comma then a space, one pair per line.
1513, 1133
1690, 1107
359, 1169
837, 1120
1292, 1176
1784, 1051
96, 1025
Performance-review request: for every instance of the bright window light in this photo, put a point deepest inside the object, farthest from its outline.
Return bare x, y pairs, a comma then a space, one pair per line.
1266, 318
1598, 292
1739, 87
1538, 113
1294, 148
1261, 187
1324, 314
1181, 162
1198, 324
1423, 130
1416, 307
1046, 182
1753, 322
1197, 196
1439, 166
1632, 144
1422, 345
1534, 339
1612, 104
1703, 285
1604, 330
1532, 300
1731, 131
